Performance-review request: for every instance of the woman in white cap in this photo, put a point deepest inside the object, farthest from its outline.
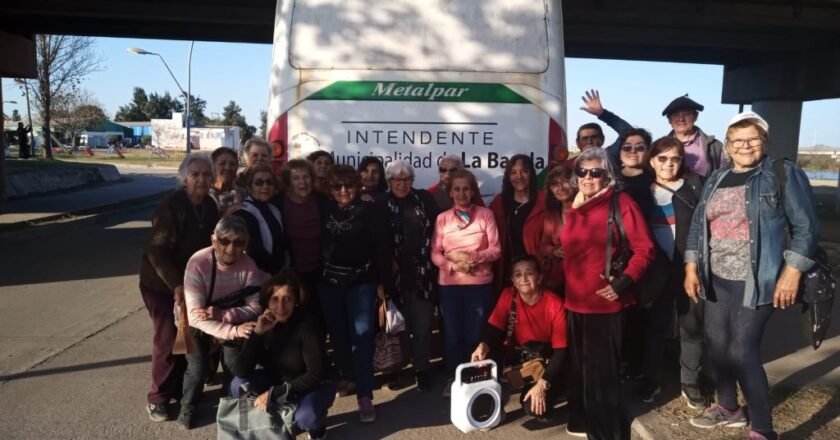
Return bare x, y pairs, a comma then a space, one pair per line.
739, 261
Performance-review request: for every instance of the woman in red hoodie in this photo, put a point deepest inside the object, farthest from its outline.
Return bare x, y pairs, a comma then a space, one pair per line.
595, 298
519, 210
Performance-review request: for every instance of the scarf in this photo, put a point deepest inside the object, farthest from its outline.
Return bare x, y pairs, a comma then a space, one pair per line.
424, 269
270, 222
463, 217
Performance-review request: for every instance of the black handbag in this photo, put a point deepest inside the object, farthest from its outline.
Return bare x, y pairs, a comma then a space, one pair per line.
655, 278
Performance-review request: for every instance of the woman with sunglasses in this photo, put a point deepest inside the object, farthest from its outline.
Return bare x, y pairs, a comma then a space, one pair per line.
356, 246
597, 292
267, 245
213, 274
519, 210
635, 178
558, 201
668, 210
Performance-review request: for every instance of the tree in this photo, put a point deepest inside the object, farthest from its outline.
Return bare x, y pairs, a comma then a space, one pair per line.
136, 109
63, 61
15, 116
263, 124
232, 115
162, 106
76, 112
197, 108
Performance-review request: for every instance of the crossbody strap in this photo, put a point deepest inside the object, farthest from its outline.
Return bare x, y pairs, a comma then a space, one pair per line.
676, 194
212, 277
610, 221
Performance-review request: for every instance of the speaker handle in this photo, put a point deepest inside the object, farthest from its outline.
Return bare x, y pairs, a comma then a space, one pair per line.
493, 371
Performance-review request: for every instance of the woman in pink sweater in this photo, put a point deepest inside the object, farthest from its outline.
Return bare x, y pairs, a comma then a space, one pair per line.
464, 246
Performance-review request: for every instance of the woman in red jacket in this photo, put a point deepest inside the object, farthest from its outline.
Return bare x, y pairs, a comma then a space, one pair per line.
558, 202
595, 300
519, 210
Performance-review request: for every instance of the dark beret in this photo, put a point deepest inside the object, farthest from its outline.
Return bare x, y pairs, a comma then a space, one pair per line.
682, 103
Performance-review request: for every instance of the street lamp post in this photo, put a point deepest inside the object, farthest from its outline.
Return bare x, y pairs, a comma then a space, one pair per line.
138, 51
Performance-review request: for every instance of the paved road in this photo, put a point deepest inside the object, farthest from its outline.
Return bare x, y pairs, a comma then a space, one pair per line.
136, 182
75, 344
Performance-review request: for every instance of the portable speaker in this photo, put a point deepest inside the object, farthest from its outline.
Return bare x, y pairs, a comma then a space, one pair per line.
476, 401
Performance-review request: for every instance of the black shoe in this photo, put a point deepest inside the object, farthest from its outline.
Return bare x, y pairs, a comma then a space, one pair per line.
424, 382
648, 390
158, 412
399, 382
185, 418
694, 396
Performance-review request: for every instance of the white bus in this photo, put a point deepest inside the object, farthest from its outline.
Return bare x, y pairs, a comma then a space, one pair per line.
417, 80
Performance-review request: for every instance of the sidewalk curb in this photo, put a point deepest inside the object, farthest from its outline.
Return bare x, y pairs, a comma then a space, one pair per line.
75, 218
639, 431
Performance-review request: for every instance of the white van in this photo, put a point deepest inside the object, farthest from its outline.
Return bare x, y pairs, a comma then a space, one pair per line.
417, 80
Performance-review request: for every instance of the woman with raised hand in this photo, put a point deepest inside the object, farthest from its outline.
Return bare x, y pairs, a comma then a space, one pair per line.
464, 247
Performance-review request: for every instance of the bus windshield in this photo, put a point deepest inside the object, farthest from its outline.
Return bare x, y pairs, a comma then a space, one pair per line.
505, 36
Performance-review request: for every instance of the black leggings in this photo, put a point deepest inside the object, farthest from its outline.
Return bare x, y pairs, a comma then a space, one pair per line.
733, 340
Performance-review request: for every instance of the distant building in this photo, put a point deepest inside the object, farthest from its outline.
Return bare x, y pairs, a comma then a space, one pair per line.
100, 135
171, 134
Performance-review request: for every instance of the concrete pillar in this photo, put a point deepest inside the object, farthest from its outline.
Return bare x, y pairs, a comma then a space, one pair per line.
784, 118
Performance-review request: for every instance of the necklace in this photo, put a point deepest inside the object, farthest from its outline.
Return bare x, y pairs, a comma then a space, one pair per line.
516, 210
199, 217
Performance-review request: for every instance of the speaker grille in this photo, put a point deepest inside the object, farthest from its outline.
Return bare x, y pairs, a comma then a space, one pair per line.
483, 407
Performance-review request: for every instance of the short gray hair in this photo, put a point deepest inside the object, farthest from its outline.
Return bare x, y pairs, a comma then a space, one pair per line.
595, 154
398, 167
455, 158
231, 226
189, 159
256, 140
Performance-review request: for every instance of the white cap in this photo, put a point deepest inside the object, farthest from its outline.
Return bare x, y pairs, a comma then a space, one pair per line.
750, 116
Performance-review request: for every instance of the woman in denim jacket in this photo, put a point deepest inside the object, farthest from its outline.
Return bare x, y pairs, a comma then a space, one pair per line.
739, 261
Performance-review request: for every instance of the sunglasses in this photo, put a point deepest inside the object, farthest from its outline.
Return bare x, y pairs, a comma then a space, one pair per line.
447, 170
225, 242
665, 159
638, 148
340, 186
263, 182
596, 173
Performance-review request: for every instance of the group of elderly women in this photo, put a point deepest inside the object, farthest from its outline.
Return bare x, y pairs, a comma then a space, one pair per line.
568, 268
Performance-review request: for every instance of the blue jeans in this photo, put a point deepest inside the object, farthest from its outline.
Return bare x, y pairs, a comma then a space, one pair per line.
349, 314
312, 406
733, 340
465, 310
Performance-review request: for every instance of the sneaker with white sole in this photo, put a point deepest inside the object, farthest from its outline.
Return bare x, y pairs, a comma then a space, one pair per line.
694, 396
717, 415
581, 434
158, 412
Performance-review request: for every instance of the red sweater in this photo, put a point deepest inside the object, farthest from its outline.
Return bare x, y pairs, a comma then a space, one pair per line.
584, 240
544, 321
532, 232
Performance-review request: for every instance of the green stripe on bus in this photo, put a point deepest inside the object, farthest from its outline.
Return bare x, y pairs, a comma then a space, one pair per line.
418, 91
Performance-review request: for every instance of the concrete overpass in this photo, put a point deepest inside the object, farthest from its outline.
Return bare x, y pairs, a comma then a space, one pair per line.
776, 53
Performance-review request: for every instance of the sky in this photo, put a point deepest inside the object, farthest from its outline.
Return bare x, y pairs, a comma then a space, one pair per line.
637, 91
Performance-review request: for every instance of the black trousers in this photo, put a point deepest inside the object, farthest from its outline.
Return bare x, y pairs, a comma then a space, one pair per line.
594, 384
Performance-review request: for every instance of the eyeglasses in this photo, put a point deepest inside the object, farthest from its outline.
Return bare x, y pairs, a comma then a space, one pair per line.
340, 186
263, 182
225, 242
665, 159
596, 173
447, 170
638, 148
753, 142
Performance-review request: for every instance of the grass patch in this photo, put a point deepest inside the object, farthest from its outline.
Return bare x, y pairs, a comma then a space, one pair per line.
132, 156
